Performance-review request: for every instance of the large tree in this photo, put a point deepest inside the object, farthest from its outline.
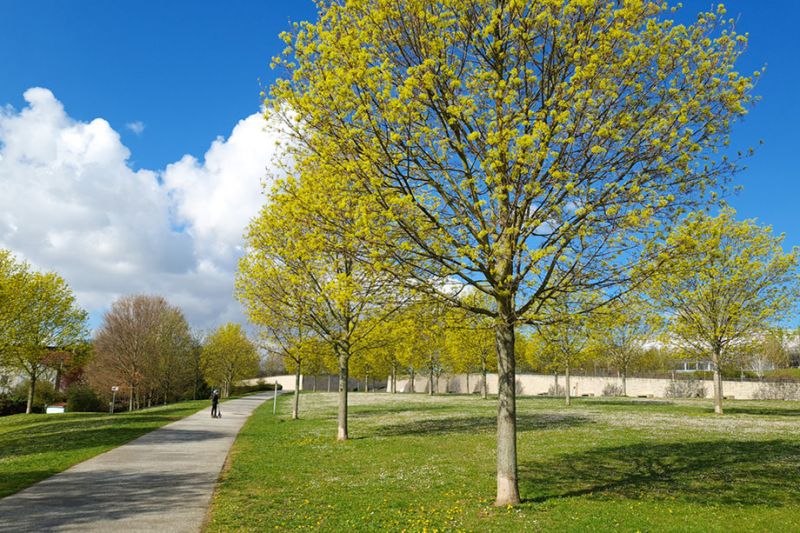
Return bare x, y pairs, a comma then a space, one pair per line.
305, 265
523, 148
732, 278
228, 356
13, 275
47, 320
143, 345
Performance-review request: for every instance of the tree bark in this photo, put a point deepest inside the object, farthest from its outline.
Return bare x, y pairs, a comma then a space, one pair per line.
507, 487
130, 400
343, 379
329, 382
31, 392
566, 385
467, 382
393, 378
430, 370
315, 384
296, 403
484, 385
412, 379
624, 382
717, 385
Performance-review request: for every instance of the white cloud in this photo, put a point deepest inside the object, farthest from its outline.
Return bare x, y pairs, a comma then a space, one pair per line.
216, 198
136, 127
70, 202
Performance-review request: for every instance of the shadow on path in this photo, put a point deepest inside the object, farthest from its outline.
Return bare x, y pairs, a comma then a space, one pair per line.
65, 500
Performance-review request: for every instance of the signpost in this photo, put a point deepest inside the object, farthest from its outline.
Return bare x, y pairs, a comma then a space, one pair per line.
114, 390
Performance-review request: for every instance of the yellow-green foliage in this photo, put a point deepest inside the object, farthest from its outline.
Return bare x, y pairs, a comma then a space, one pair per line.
469, 341
38, 311
305, 266
228, 356
503, 139
726, 281
621, 331
563, 339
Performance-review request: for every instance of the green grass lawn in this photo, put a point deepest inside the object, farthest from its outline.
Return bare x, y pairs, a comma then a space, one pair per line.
36, 446
420, 463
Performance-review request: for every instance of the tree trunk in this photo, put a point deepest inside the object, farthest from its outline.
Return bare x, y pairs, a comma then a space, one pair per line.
717, 385
366, 382
484, 385
430, 371
329, 382
296, 404
130, 399
467, 382
31, 392
624, 382
315, 384
567, 397
393, 379
343, 382
507, 487
412, 379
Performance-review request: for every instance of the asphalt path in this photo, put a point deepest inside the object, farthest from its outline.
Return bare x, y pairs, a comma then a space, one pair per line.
162, 481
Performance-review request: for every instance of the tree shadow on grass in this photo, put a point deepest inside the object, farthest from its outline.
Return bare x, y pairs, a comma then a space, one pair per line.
723, 472
480, 423
365, 411
758, 411
625, 402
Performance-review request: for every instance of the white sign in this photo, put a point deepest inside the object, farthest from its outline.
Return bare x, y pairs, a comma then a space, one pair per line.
114, 389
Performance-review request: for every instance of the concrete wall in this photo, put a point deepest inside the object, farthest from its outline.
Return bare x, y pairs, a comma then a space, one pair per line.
527, 385
322, 383
536, 384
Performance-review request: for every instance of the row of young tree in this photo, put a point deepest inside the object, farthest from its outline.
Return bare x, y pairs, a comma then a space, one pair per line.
144, 347
538, 153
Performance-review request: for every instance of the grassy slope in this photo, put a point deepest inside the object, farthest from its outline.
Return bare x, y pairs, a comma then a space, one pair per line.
419, 463
33, 447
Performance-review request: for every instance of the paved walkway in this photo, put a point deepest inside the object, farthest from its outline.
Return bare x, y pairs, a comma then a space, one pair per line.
162, 481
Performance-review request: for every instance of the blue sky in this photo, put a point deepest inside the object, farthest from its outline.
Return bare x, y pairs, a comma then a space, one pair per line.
170, 77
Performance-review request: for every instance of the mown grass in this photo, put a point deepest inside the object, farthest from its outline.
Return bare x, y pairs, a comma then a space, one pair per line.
34, 447
419, 463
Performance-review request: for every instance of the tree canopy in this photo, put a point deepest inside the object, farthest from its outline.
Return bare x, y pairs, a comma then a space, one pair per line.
728, 281
522, 148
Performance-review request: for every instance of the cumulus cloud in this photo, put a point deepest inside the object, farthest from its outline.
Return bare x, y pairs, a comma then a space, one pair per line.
136, 127
70, 202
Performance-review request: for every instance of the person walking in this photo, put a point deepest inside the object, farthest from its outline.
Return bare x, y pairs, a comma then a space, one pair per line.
215, 404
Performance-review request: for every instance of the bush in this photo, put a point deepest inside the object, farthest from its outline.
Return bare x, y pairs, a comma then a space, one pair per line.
11, 405
44, 395
556, 390
685, 388
612, 389
83, 399
262, 385
783, 374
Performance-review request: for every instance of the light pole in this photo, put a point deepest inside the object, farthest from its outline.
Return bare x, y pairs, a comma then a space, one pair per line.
274, 396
